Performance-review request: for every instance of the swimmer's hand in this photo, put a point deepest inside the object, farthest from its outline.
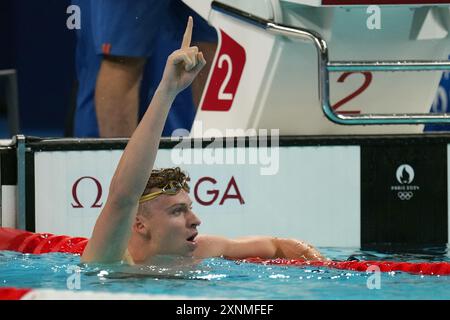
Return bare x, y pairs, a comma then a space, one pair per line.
182, 65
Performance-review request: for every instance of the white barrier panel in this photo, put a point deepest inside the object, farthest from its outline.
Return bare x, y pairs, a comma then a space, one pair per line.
8, 206
314, 193
71, 188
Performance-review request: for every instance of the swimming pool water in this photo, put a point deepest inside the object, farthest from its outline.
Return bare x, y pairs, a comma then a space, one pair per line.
225, 279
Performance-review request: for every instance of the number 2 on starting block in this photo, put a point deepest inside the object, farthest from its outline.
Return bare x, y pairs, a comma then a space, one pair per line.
225, 77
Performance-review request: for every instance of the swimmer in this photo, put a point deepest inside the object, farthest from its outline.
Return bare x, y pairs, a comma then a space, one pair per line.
148, 213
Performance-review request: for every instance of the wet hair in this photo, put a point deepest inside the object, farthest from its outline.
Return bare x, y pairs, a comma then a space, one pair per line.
159, 178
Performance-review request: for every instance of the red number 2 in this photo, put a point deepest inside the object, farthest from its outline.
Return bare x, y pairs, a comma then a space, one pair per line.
365, 85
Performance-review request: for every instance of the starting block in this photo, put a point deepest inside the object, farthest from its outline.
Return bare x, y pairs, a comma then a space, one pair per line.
307, 67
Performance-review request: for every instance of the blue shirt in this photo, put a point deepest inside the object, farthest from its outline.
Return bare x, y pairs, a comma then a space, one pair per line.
139, 28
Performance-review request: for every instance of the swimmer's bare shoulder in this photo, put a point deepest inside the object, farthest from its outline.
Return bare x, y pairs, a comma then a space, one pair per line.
209, 246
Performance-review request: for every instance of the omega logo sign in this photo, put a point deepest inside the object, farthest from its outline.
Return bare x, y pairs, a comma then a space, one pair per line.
215, 193
96, 203
212, 196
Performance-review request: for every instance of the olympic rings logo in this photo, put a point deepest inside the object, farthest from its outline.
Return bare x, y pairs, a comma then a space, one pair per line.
405, 195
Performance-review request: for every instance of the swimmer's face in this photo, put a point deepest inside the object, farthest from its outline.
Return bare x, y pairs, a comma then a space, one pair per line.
171, 224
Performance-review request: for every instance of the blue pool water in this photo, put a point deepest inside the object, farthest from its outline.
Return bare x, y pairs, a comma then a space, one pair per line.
224, 279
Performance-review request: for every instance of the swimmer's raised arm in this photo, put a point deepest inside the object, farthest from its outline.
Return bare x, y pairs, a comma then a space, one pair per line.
262, 247
113, 227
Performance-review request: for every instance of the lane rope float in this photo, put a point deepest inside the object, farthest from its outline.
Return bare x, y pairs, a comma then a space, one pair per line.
39, 243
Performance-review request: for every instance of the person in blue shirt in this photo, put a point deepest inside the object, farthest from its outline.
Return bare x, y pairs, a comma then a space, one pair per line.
122, 47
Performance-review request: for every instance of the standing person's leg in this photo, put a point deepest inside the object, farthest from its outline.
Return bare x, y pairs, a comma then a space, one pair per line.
117, 95
124, 34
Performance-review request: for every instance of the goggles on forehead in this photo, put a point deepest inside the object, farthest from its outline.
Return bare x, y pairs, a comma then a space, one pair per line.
172, 188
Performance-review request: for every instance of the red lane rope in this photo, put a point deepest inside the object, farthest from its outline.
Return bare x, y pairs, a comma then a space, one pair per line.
422, 268
37, 243
12, 293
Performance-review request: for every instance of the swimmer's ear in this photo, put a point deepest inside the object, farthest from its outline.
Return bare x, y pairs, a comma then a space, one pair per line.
140, 227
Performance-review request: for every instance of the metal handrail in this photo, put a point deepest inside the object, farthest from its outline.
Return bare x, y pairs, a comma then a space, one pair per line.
325, 67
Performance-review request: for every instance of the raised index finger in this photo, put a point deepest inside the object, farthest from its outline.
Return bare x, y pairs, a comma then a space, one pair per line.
187, 34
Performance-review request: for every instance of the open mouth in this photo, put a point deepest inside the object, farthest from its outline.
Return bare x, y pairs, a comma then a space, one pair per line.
191, 239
